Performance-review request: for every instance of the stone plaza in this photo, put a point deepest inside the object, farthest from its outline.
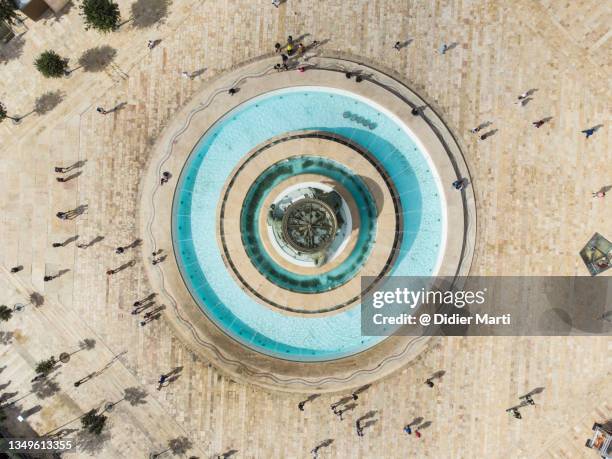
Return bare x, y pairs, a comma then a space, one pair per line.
531, 193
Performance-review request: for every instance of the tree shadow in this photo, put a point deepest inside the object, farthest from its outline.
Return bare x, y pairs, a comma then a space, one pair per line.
48, 101
12, 50
98, 58
135, 396
91, 443
37, 299
6, 338
146, 13
45, 387
179, 446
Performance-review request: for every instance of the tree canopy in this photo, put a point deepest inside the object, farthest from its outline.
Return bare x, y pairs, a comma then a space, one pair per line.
93, 422
51, 64
102, 15
5, 312
8, 11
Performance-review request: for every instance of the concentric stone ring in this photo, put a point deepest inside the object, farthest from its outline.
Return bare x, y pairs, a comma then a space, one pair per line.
288, 194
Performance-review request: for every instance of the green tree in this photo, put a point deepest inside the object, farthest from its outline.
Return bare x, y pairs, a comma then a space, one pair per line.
5, 313
8, 11
93, 422
51, 64
44, 367
100, 14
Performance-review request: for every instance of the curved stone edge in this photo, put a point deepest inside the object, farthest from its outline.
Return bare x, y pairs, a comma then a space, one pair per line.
328, 376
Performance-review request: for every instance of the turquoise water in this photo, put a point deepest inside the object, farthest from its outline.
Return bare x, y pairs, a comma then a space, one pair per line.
222, 148
250, 228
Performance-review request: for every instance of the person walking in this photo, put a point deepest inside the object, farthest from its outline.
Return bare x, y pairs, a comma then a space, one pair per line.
276, 3
119, 250
457, 185
47, 278
443, 48
417, 433
397, 46
428, 381
589, 132
301, 406
101, 111
599, 194
162, 380
151, 44
539, 123
476, 129
57, 244
61, 170
277, 48
62, 215
408, 429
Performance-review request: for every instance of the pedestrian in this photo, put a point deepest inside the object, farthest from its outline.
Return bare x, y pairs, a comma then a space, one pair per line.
516, 413
315, 452
186, 75
417, 434
47, 278
428, 381
101, 111
60, 170
354, 395
289, 40
525, 95
62, 215
61, 179
301, 50
150, 44
301, 406
232, 91
348, 75
539, 123
457, 185
599, 194
110, 272
301, 69
476, 129
358, 78
397, 45
408, 429
284, 57
57, 244
315, 43
414, 111
290, 50
443, 48
589, 132
277, 47
16, 269
484, 136
528, 399
119, 250
276, 3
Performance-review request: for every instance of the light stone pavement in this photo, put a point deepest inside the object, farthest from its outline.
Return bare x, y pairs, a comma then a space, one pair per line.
532, 187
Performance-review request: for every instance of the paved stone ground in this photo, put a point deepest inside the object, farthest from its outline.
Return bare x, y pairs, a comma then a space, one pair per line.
532, 189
